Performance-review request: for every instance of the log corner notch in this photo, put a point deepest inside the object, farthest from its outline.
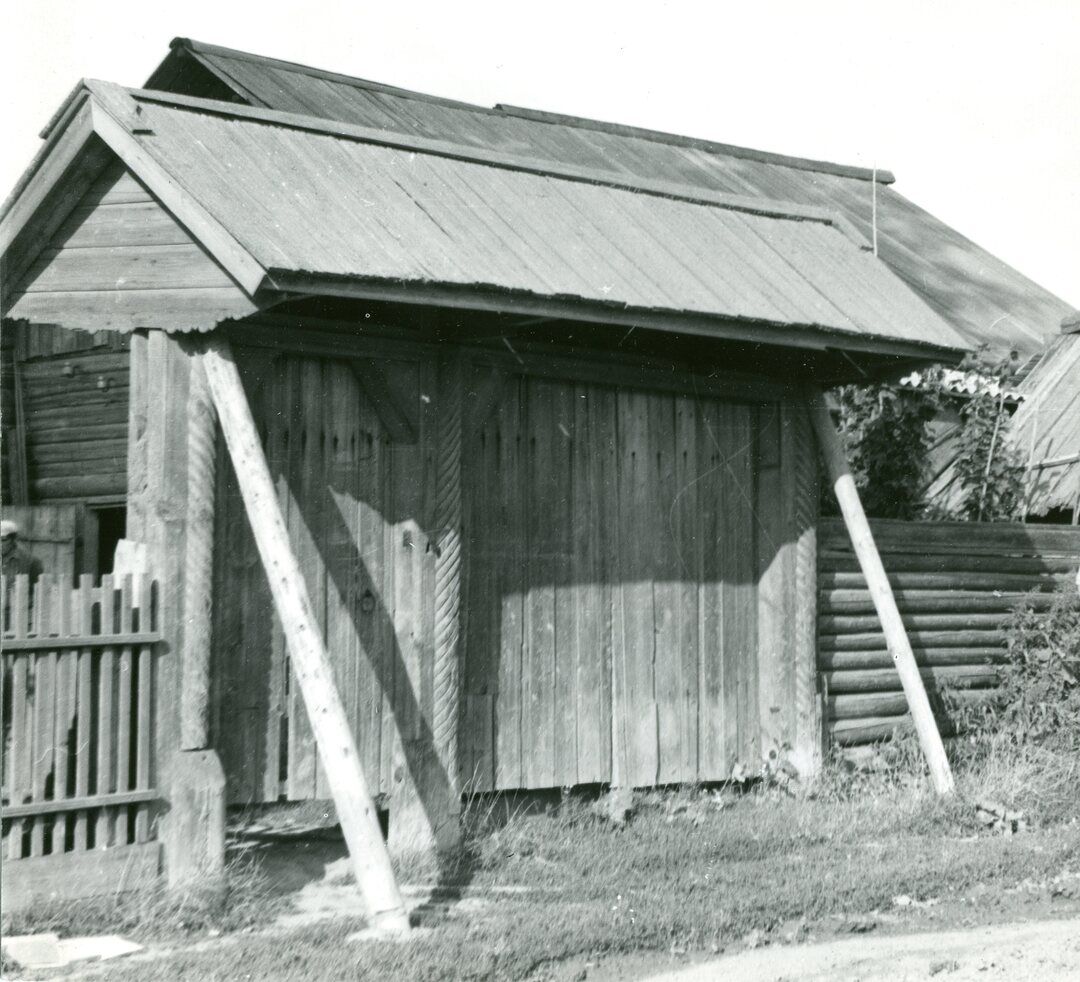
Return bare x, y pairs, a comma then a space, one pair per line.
333, 735
877, 582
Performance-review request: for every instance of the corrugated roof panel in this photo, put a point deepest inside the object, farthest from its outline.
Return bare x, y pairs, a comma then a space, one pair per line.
322, 203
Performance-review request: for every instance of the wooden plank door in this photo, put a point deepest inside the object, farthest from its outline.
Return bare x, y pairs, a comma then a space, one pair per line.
610, 615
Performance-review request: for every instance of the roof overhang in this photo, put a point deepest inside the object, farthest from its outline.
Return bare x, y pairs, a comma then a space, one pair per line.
101, 120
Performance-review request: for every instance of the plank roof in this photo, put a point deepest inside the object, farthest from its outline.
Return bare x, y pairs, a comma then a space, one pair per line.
1046, 427
985, 300
298, 203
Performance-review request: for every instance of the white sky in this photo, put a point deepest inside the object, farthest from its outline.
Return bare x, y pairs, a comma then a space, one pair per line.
974, 105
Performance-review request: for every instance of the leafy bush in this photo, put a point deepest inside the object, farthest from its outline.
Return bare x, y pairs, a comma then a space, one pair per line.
1040, 684
989, 470
886, 430
887, 435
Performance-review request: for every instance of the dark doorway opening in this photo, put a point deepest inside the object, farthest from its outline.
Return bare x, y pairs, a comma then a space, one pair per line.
111, 527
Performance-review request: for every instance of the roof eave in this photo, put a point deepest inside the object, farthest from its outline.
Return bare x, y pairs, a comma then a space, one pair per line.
497, 300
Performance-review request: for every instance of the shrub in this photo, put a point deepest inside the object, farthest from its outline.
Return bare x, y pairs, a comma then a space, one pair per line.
1040, 684
886, 432
989, 470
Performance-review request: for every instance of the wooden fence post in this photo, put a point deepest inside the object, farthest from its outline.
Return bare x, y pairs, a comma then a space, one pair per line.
337, 746
877, 582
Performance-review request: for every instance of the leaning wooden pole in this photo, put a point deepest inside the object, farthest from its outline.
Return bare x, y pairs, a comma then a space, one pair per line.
337, 747
877, 582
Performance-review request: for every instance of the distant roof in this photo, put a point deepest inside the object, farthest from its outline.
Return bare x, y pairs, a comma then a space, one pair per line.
1044, 430
299, 203
989, 303
1046, 427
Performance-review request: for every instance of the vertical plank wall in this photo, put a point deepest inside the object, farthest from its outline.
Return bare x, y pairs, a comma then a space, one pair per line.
354, 502
611, 621
611, 613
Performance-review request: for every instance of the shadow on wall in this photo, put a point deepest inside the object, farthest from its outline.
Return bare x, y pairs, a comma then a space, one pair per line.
612, 545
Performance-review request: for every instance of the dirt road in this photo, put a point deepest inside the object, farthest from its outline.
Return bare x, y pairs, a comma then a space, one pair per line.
1042, 951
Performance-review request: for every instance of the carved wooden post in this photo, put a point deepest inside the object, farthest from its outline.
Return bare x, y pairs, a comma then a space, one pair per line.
198, 564
807, 745
170, 511
448, 558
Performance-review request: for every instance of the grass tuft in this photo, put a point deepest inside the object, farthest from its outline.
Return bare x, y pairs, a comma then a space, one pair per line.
157, 912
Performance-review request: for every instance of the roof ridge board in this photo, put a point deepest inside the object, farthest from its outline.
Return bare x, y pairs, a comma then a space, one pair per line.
201, 47
442, 148
65, 110
883, 176
54, 130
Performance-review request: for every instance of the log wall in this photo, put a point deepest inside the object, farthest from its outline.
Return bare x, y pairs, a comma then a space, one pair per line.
74, 397
956, 584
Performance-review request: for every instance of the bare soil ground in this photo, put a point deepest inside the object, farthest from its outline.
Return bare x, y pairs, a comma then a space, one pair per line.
1043, 951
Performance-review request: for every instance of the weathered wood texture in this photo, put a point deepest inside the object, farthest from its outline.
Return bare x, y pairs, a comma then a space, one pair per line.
198, 564
610, 626
956, 584
359, 510
312, 668
789, 701
79, 673
609, 618
120, 245
157, 512
76, 875
74, 401
48, 532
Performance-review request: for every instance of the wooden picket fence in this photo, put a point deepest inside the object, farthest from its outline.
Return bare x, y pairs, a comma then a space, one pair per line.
78, 718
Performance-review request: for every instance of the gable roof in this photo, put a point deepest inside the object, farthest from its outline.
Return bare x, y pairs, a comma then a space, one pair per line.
985, 300
287, 203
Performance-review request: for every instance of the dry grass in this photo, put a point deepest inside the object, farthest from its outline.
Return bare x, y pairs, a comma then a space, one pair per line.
155, 912
694, 869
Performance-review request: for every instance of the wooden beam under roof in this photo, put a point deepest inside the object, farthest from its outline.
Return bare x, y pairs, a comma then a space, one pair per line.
677, 322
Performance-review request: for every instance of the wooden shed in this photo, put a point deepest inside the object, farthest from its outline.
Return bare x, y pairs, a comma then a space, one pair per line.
536, 427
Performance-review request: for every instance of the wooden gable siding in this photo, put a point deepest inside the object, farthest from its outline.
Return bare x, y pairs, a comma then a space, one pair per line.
74, 397
623, 550
120, 261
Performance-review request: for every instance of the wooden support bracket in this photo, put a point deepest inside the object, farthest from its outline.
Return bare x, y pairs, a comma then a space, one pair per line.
399, 423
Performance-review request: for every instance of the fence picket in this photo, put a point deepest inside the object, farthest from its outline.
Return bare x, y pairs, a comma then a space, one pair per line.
78, 673
142, 752
84, 708
105, 714
123, 709
15, 598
